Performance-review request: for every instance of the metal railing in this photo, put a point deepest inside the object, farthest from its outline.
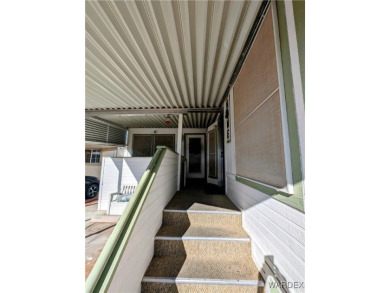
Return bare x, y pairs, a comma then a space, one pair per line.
103, 272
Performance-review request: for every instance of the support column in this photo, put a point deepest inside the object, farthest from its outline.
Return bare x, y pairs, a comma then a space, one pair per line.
178, 148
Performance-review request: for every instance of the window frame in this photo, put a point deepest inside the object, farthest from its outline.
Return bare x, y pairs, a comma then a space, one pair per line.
91, 155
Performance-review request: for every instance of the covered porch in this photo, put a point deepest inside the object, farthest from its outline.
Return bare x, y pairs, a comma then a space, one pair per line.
210, 95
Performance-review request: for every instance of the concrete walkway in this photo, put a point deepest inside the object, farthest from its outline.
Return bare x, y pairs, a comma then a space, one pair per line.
96, 235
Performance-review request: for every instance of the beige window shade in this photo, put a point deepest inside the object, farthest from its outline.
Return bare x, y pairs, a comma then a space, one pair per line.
146, 145
258, 123
143, 146
258, 77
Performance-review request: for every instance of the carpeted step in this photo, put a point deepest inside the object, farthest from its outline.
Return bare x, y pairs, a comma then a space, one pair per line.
194, 246
202, 239
199, 288
204, 273
202, 247
184, 200
202, 230
193, 217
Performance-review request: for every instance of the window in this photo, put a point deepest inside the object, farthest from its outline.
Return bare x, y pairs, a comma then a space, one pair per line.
92, 156
146, 145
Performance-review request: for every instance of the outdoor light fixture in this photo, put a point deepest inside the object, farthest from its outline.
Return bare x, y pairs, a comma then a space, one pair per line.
168, 120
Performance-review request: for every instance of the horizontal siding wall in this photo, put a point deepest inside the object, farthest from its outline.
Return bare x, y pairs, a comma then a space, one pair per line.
93, 170
275, 229
140, 248
118, 171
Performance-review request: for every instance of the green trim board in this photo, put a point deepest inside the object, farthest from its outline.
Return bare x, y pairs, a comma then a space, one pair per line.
299, 18
290, 104
292, 200
104, 270
215, 176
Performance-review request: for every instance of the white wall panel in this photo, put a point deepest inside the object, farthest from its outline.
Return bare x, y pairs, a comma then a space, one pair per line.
140, 248
118, 171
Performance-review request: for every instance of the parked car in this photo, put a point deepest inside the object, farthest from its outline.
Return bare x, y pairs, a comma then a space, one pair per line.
91, 187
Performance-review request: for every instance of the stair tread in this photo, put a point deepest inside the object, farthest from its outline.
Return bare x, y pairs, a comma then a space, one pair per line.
201, 202
200, 288
198, 267
199, 230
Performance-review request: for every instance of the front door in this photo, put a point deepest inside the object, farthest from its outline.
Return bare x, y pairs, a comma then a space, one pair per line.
195, 156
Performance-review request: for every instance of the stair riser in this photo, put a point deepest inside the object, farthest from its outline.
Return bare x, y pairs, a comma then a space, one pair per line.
201, 218
204, 288
202, 247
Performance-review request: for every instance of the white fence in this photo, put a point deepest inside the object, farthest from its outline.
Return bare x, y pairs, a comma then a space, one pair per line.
118, 171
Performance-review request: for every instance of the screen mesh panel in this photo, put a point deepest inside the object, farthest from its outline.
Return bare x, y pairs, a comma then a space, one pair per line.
257, 113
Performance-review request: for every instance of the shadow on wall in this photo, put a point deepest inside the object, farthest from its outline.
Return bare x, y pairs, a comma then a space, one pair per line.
119, 167
134, 171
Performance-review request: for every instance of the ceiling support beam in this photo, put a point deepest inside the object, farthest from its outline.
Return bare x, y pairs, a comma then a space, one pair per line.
129, 112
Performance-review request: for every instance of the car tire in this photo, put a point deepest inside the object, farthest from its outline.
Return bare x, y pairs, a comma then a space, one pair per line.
91, 191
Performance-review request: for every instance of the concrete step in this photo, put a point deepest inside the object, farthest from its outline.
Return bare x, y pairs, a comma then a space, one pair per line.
194, 217
215, 273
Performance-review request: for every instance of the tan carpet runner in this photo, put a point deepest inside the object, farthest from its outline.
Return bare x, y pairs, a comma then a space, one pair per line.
201, 247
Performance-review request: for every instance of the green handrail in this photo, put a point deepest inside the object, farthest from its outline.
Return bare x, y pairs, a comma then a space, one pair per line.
103, 271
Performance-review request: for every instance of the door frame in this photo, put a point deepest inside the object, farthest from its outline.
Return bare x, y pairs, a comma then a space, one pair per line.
202, 174
217, 126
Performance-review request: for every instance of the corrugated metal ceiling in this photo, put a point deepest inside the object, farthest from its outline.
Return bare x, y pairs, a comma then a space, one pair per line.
163, 54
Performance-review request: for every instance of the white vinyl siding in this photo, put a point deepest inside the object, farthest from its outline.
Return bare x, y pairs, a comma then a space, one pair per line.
140, 248
275, 229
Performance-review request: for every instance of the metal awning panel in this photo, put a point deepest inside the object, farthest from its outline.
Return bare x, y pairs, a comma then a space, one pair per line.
98, 132
163, 54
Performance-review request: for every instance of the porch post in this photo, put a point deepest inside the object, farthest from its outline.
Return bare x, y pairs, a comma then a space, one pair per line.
178, 148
